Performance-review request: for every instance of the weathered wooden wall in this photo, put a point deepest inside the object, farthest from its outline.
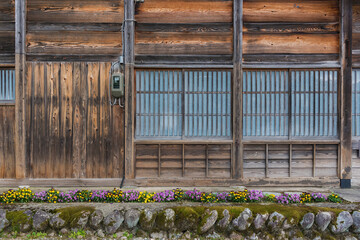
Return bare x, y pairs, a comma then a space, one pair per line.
183, 161
7, 31
356, 34
356, 166
295, 160
72, 131
74, 30
184, 31
291, 31
7, 148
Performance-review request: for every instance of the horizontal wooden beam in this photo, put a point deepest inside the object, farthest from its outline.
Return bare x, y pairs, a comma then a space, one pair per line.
293, 141
72, 57
156, 182
187, 142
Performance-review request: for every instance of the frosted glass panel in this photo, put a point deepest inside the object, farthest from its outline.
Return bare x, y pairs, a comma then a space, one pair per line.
7, 85
314, 103
265, 103
158, 103
207, 103
180, 104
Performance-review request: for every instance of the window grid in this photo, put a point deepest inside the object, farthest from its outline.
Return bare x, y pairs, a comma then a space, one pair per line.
291, 103
178, 104
314, 103
7, 85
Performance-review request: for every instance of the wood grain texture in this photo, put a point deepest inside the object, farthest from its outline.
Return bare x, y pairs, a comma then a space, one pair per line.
291, 43
203, 39
283, 31
180, 28
20, 111
68, 28
346, 89
326, 160
291, 11
7, 10
182, 11
72, 130
356, 33
69, 11
7, 144
200, 161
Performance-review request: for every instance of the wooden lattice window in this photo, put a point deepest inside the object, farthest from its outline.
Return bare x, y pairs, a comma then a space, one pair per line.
290, 103
7, 85
180, 104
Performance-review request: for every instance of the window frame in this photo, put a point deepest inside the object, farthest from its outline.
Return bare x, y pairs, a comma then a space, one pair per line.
11, 102
290, 137
182, 137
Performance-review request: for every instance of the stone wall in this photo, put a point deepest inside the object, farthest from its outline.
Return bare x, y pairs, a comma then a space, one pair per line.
250, 221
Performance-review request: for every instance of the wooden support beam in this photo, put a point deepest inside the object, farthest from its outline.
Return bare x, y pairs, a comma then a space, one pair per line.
346, 90
237, 89
154, 182
129, 36
20, 58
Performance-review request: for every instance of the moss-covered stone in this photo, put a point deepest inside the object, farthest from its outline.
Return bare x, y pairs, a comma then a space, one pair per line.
19, 221
186, 218
147, 219
165, 220
208, 220
72, 215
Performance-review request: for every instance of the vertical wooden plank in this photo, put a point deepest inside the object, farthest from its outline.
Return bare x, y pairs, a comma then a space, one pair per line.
116, 166
48, 114
104, 107
40, 121
55, 115
20, 111
46, 120
346, 90
28, 121
8, 116
93, 154
2, 142
84, 86
129, 9
32, 123
77, 121
68, 114
237, 88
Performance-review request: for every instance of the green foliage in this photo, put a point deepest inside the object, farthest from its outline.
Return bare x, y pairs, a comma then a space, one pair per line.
128, 236
333, 197
75, 235
36, 235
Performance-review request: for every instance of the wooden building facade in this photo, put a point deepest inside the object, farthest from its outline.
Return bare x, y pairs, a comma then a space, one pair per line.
217, 92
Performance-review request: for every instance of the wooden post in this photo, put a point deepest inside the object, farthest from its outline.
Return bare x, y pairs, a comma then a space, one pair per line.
129, 27
237, 89
20, 58
346, 90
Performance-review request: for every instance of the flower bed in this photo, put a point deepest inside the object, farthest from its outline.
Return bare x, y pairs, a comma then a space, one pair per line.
24, 195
